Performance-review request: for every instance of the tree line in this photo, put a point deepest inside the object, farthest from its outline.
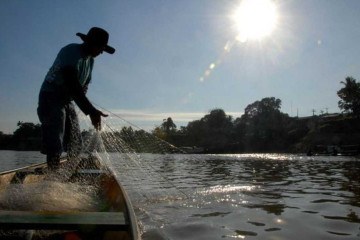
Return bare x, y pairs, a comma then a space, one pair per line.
262, 128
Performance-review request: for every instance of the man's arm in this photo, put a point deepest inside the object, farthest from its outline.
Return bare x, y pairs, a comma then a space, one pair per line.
76, 91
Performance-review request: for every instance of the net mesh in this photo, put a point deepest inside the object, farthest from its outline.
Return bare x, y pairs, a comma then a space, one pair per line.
127, 150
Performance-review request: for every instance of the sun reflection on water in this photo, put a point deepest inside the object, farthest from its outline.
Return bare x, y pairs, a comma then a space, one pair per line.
227, 189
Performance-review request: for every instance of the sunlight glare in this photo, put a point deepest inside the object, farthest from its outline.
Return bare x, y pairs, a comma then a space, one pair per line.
254, 19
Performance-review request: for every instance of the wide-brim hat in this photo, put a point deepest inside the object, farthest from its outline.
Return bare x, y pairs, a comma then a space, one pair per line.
97, 37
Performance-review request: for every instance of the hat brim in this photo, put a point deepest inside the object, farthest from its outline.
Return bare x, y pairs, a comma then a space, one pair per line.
107, 48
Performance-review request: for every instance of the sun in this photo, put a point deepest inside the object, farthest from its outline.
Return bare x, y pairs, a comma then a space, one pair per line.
254, 19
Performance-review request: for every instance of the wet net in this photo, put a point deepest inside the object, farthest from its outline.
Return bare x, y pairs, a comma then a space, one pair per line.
127, 151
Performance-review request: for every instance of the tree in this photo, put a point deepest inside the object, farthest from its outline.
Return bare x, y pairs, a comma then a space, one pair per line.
166, 130
219, 128
195, 133
159, 133
263, 107
6, 141
350, 96
213, 131
27, 130
27, 136
262, 127
168, 125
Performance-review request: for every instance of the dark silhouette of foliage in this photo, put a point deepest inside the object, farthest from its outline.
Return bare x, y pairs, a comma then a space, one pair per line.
27, 130
168, 125
262, 128
167, 131
217, 130
26, 137
6, 141
213, 131
350, 97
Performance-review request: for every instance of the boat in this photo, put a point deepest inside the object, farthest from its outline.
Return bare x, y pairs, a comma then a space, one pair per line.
115, 220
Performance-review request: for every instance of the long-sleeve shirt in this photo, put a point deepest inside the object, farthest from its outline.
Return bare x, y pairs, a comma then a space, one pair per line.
70, 72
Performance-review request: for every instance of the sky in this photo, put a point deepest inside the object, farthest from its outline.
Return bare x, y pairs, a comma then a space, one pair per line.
165, 47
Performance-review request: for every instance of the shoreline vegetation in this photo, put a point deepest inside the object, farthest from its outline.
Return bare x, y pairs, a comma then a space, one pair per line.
262, 128
258, 130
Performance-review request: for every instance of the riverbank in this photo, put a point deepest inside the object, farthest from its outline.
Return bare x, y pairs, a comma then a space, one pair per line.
295, 135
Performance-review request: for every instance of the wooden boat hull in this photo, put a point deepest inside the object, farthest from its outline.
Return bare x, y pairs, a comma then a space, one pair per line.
116, 219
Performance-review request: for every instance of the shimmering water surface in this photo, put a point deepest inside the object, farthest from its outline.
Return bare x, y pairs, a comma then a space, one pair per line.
253, 196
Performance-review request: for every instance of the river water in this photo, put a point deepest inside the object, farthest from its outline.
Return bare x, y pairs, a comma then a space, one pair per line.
245, 196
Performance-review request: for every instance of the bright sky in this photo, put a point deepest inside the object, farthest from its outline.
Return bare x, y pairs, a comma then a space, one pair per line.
180, 58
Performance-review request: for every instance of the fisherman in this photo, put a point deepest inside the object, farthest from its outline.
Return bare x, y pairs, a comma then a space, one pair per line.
67, 81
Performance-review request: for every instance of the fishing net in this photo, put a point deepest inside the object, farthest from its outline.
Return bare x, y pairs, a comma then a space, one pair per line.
127, 151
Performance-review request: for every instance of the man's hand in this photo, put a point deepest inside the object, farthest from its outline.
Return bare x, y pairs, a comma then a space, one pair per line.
96, 119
